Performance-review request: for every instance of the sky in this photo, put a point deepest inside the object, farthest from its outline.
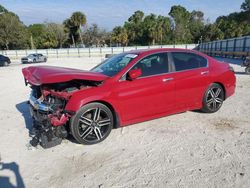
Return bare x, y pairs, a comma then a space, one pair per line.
110, 13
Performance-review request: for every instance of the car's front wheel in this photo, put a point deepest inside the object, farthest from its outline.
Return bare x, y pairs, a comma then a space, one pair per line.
213, 98
92, 123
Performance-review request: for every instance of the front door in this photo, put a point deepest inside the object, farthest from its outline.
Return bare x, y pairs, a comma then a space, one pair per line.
151, 94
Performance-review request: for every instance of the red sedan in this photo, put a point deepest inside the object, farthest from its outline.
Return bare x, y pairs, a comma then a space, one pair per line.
128, 88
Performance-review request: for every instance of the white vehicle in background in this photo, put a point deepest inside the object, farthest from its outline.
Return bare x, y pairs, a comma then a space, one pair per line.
34, 58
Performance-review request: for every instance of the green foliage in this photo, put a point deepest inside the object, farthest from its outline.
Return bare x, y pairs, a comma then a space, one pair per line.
120, 36
13, 34
73, 27
245, 6
139, 29
95, 37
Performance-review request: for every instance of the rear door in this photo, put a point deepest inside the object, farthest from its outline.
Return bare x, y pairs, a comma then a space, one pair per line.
191, 79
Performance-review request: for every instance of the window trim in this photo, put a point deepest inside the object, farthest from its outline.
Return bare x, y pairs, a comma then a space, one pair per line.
172, 61
170, 68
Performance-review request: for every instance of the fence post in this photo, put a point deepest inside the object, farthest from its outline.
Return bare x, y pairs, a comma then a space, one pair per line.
89, 53
78, 52
234, 48
57, 53
16, 54
112, 50
101, 51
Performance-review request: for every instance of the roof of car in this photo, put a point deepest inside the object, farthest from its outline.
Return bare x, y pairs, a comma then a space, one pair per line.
153, 50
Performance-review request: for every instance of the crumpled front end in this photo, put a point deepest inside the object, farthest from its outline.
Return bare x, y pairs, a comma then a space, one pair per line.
47, 107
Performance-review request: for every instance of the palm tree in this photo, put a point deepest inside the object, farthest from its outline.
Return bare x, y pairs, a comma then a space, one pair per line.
74, 24
78, 19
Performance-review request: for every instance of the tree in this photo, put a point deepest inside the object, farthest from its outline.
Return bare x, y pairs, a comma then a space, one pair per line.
182, 19
120, 36
196, 25
59, 33
13, 34
245, 6
163, 29
212, 32
95, 36
150, 29
134, 27
37, 32
74, 24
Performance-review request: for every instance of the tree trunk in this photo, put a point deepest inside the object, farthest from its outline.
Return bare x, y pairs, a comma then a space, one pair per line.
153, 42
7, 45
80, 35
73, 40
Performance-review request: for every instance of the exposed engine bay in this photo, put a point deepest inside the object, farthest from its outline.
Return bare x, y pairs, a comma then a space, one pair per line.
47, 108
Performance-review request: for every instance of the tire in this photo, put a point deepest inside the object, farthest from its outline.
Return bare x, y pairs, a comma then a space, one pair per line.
213, 98
92, 123
247, 70
34, 60
45, 59
5, 63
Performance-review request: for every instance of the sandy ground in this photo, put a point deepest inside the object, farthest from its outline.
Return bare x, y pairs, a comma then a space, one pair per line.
185, 150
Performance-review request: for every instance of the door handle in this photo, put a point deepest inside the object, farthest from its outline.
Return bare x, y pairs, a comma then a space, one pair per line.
167, 79
204, 72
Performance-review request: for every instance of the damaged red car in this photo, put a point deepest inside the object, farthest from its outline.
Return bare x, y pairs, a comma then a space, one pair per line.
127, 88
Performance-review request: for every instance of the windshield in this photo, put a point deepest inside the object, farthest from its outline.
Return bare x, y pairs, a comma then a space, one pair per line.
31, 55
114, 65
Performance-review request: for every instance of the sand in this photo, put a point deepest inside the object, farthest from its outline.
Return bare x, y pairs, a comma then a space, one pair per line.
190, 149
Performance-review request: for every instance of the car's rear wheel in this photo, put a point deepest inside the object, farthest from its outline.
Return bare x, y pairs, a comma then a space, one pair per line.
213, 98
92, 123
34, 60
45, 59
247, 70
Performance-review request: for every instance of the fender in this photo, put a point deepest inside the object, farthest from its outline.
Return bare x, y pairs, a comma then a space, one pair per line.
83, 97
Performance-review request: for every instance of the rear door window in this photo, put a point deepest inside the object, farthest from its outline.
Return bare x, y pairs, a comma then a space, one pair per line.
187, 61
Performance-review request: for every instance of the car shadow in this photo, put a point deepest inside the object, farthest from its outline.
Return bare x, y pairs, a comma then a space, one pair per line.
5, 180
241, 73
23, 108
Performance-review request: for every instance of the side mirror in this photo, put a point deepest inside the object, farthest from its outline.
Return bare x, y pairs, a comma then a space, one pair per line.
133, 74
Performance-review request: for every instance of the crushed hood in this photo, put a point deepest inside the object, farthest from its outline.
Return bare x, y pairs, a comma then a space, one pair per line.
37, 75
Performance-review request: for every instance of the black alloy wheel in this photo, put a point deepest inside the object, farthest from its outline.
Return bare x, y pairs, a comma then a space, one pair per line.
213, 99
92, 123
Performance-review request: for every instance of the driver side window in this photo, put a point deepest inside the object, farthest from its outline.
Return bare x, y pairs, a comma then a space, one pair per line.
153, 64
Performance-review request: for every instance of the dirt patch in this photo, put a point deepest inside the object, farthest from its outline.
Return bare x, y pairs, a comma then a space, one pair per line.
227, 124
